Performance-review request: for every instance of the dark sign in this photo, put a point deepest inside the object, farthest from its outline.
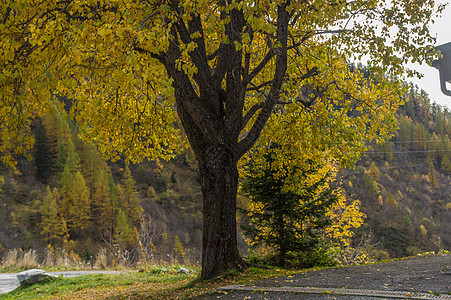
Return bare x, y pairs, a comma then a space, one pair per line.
444, 67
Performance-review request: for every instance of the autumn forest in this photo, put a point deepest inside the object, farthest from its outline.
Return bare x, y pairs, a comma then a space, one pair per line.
68, 199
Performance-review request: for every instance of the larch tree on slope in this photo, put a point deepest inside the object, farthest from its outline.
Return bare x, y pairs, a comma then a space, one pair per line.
228, 69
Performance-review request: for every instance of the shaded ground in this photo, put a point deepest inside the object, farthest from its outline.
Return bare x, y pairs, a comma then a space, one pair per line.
426, 274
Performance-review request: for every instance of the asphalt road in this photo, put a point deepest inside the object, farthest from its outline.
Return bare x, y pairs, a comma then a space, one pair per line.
423, 277
9, 281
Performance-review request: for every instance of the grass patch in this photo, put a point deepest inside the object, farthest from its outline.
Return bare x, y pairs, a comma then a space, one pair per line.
138, 285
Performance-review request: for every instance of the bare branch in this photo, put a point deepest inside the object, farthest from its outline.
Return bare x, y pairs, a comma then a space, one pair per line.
251, 113
143, 23
256, 88
260, 66
309, 94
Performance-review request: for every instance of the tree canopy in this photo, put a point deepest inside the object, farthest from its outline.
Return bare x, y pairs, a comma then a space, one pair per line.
120, 61
229, 69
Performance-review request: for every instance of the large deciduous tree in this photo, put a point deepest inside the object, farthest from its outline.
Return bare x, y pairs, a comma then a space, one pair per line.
228, 68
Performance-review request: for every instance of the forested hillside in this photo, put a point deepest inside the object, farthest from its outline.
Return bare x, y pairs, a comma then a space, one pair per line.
69, 198
405, 184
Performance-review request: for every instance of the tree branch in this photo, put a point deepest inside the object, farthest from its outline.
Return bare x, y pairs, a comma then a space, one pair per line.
247, 55
270, 54
251, 113
6, 15
307, 90
198, 55
213, 55
143, 23
229, 58
247, 142
191, 110
256, 88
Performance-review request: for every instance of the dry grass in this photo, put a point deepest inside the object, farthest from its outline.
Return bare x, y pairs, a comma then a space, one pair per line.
16, 259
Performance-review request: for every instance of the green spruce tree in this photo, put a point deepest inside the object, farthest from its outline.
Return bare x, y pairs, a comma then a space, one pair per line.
288, 221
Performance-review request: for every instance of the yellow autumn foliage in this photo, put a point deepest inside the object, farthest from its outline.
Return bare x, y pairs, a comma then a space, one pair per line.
108, 55
346, 217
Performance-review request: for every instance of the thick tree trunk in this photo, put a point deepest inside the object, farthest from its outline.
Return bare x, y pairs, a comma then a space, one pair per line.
219, 179
213, 120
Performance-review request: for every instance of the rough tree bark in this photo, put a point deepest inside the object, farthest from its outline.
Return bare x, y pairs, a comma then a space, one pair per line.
219, 179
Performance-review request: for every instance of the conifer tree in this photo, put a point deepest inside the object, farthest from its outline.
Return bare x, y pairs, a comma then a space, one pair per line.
391, 201
42, 154
61, 158
58, 133
91, 164
440, 125
419, 137
373, 171
404, 128
446, 164
434, 148
131, 197
73, 160
373, 186
103, 204
432, 176
65, 182
286, 220
80, 208
53, 227
178, 247
123, 231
